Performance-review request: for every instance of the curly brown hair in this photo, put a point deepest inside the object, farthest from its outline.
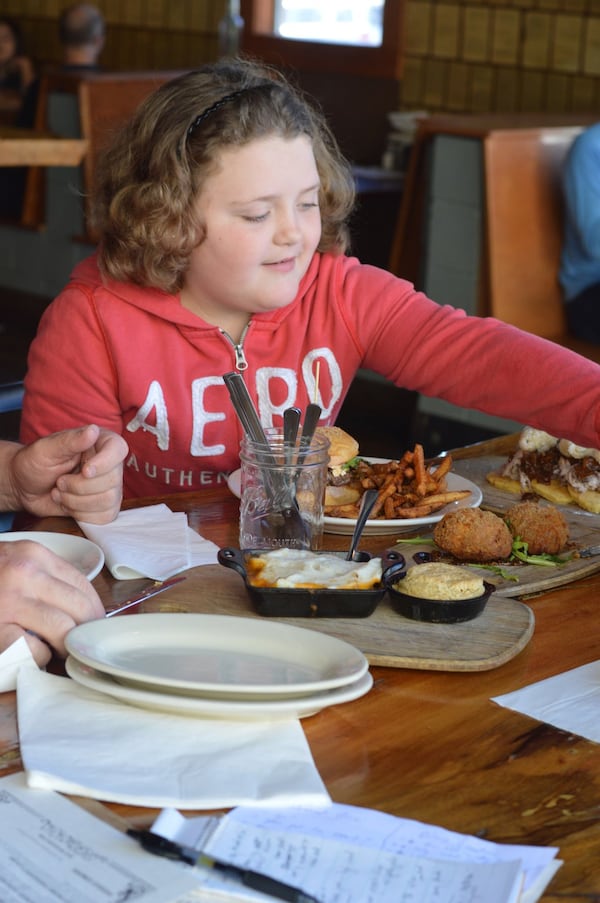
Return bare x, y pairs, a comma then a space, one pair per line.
149, 178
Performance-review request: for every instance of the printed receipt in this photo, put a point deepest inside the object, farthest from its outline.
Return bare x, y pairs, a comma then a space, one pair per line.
51, 849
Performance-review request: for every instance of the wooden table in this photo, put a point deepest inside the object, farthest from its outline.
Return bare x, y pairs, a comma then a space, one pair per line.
25, 147
429, 745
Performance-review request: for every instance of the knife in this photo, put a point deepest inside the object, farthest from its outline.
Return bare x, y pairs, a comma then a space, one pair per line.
157, 587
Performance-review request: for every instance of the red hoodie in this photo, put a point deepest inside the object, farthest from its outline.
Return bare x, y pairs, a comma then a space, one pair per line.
134, 360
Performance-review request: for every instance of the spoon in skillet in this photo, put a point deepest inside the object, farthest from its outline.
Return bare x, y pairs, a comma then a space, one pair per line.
366, 506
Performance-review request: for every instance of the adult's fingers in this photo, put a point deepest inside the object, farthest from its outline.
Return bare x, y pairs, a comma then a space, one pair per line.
10, 633
42, 593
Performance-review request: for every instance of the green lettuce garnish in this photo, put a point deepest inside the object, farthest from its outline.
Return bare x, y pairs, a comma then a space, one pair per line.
520, 551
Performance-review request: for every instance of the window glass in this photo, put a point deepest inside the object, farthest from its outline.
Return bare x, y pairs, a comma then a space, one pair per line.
354, 22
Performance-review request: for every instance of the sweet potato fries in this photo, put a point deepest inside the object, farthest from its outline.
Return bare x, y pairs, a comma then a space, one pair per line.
408, 488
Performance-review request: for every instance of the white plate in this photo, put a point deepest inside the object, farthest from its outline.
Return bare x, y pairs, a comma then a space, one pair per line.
216, 655
86, 556
267, 709
380, 527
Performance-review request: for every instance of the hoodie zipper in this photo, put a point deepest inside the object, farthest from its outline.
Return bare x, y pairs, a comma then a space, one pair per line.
238, 348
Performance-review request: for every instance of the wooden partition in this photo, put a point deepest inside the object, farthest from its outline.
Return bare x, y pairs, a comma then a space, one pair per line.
525, 226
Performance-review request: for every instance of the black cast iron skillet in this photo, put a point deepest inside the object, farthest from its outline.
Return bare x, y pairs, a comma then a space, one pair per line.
309, 603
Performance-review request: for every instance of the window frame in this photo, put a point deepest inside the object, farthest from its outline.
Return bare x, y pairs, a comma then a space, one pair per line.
385, 61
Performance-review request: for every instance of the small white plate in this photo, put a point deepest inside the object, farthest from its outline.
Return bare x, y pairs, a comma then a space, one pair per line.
379, 526
267, 709
83, 554
216, 655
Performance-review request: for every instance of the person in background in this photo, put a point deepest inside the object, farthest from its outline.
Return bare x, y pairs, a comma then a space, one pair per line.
82, 33
16, 69
223, 210
75, 473
580, 260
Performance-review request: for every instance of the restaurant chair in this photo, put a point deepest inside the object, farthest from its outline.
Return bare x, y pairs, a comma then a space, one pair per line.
106, 101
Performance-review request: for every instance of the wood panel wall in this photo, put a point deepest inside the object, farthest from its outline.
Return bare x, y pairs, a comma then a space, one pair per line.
502, 56
141, 34
462, 56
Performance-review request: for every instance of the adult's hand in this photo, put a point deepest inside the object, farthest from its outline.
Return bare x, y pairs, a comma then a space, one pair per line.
42, 597
77, 472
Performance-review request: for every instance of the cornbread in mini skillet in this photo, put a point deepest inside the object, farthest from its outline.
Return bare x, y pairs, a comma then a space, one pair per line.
436, 580
439, 593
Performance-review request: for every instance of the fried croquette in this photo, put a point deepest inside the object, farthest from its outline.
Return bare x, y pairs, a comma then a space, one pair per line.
471, 534
542, 527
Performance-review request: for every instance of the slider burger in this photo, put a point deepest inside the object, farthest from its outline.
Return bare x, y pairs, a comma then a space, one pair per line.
555, 469
342, 487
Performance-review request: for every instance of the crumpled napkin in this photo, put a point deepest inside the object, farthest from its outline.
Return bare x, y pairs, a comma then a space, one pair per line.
79, 741
569, 701
150, 542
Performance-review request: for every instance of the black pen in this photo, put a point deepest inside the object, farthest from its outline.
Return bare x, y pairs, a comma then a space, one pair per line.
161, 846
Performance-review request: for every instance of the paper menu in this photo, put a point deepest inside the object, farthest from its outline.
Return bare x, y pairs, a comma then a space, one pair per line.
348, 852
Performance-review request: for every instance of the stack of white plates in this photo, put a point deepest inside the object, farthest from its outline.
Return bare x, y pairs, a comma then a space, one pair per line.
216, 666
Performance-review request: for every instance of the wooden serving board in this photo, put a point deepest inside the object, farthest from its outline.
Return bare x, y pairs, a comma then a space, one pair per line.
386, 638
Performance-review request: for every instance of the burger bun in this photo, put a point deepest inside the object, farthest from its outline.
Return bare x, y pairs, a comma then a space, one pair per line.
341, 495
342, 446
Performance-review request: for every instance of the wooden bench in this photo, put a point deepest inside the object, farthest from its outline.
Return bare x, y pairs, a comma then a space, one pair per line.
521, 215
525, 230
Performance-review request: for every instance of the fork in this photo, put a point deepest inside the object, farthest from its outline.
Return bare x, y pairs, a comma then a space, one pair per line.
589, 552
286, 520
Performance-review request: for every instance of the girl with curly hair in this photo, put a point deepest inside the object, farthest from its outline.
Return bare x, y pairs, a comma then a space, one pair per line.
223, 211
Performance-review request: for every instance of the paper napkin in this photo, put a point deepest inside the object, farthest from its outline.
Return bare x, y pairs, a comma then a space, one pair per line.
82, 742
12, 659
570, 701
150, 542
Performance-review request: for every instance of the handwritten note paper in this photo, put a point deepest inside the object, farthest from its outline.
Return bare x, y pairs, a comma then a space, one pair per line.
348, 854
406, 837
336, 872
